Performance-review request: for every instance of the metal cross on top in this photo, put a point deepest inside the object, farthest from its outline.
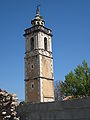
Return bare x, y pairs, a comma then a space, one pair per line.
38, 8
38, 4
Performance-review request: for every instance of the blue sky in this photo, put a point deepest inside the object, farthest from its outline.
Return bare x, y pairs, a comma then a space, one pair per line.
70, 24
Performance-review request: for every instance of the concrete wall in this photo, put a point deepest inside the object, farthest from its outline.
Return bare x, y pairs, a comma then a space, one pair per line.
77, 109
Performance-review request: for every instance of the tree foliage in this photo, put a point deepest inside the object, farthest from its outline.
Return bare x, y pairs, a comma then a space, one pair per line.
76, 84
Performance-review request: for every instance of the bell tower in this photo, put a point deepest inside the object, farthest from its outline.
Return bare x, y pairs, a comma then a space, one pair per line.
39, 81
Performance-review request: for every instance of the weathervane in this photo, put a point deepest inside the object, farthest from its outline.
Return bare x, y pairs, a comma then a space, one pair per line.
38, 3
38, 7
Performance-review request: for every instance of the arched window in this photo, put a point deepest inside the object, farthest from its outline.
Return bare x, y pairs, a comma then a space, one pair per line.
45, 43
38, 23
32, 43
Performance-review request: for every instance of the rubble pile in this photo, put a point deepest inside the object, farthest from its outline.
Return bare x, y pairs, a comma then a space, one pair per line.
8, 104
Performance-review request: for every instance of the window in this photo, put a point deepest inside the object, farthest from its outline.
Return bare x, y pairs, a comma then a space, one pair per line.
41, 23
32, 85
38, 23
32, 66
45, 43
32, 43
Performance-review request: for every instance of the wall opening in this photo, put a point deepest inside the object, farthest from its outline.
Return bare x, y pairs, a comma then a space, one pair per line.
32, 86
32, 43
45, 43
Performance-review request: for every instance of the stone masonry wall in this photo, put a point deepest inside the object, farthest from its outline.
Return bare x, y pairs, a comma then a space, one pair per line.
77, 109
8, 104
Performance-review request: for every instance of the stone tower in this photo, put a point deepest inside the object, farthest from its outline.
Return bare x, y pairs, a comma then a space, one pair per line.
39, 81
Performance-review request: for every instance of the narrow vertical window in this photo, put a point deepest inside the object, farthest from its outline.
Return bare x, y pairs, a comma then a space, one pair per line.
45, 43
32, 86
32, 43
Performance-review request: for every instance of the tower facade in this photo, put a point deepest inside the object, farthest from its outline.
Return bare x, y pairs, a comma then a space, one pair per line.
39, 81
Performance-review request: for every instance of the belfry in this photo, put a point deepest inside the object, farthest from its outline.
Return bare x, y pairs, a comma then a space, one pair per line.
39, 80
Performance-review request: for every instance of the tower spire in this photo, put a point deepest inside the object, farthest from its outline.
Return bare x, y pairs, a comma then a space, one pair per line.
38, 20
37, 11
38, 6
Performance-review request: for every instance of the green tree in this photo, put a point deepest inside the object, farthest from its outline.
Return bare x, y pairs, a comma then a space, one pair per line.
77, 82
